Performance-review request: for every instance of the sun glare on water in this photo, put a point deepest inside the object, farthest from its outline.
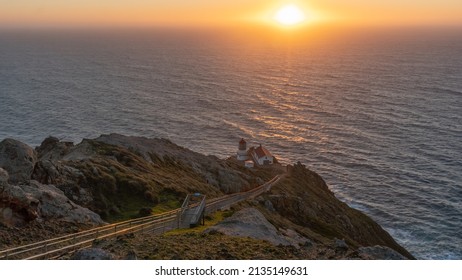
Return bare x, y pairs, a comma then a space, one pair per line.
289, 15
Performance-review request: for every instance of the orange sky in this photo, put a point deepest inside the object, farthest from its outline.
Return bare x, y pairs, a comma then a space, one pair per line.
224, 12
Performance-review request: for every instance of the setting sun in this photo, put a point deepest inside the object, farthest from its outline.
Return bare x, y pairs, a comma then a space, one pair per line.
289, 15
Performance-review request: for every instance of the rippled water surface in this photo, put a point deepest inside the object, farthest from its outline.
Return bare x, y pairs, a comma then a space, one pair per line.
380, 118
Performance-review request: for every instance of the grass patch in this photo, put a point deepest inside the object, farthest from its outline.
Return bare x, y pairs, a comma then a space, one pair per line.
210, 220
166, 206
129, 209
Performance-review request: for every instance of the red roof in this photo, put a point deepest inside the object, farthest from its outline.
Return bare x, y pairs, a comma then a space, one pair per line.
242, 141
261, 152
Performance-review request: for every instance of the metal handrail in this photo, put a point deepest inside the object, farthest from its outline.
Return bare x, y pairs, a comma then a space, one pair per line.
74, 240
89, 232
133, 229
74, 236
196, 216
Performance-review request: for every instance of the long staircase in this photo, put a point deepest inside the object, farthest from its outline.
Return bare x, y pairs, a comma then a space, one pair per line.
190, 214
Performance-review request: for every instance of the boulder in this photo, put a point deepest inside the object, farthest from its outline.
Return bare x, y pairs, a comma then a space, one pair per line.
295, 239
92, 254
131, 255
340, 244
16, 208
3, 179
46, 172
250, 222
66, 178
47, 145
379, 253
18, 159
24, 203
269, 206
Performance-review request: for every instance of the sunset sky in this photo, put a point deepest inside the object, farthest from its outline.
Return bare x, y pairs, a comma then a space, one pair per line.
38, 13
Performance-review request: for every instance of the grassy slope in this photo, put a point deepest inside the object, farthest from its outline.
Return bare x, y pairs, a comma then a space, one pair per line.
123, 182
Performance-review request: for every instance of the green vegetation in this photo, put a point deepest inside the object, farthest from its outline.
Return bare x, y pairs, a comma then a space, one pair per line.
210, 220
131, 209
194, 245
167, 205
122, 182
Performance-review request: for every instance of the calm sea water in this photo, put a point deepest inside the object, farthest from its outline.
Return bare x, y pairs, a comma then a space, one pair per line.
379, 117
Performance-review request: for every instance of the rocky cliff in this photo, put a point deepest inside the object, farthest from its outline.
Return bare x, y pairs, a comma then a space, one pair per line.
302, 200
113, 177
23, 200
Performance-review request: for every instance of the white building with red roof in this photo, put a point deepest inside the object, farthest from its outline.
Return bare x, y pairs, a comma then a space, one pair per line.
262, 156
259, 155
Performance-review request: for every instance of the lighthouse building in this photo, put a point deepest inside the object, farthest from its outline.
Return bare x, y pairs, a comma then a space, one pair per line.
259, 155
242, 151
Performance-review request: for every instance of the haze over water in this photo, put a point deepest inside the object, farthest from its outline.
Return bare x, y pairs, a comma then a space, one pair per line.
378, 116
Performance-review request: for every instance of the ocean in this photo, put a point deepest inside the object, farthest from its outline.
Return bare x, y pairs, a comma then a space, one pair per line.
377, 114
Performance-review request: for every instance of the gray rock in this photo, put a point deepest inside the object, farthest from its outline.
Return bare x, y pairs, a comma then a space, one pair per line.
3, 178
18, 159
92, 254
249, 222
379, 253
269, 206
46, 172
340, 244
16, 208
47, 145
38, 201
66, 178
52, 149
131, 255
296, 239
6, 214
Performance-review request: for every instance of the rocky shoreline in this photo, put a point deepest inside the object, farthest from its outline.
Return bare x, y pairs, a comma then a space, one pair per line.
59, 188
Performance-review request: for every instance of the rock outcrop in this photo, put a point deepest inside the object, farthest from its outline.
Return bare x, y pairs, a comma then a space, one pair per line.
92, 254
250, 222
23, 200
18, 159
108, 173
379, 253
24, 203
4, 177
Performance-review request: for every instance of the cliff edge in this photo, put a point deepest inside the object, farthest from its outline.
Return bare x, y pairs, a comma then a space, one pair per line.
60, 187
